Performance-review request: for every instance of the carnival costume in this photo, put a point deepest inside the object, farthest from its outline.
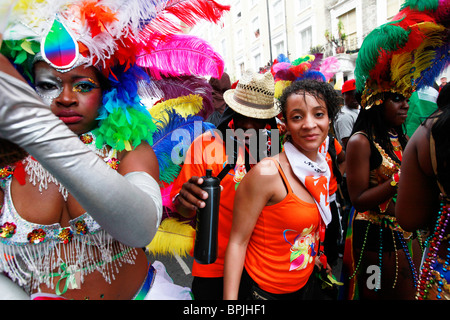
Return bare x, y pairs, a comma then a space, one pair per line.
134, 44
398, 57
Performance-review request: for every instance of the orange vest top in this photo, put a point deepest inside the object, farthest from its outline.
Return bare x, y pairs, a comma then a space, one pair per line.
282, 249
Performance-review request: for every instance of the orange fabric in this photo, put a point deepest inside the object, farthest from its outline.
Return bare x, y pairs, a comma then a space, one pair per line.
281, 251
333, 181
208, 152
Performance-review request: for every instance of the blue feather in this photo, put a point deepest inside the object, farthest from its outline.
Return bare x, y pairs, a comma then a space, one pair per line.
172, 139
282, 58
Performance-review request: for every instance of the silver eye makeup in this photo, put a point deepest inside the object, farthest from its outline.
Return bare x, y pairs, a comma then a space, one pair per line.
48, 87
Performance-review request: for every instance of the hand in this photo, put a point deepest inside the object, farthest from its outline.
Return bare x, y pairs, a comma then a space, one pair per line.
191, 195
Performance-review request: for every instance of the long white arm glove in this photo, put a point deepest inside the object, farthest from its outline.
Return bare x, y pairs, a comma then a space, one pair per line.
128, 211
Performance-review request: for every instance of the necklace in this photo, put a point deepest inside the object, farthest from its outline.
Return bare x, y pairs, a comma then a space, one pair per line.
40, 177
432, 278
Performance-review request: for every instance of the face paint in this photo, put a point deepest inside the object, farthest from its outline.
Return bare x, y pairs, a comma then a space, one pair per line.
85, 86
48, 87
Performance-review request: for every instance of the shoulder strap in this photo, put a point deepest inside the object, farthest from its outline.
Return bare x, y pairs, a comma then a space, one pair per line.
283, 176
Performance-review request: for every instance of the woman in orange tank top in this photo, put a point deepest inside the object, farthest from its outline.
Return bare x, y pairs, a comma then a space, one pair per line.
281, 206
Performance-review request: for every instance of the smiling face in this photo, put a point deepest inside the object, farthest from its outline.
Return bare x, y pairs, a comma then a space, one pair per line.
307, 122
395, 109
74, 96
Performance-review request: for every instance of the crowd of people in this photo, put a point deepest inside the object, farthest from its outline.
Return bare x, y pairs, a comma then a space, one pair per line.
308, 180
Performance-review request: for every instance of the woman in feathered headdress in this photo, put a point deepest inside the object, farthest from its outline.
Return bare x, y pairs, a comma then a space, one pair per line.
77, 211
394, 60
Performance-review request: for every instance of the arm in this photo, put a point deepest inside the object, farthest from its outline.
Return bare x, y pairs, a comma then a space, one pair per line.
249, 201
417, 200
358, 172
126, 209
340, 157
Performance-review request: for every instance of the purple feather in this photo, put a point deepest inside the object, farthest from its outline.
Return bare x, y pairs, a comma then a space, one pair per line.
172, 88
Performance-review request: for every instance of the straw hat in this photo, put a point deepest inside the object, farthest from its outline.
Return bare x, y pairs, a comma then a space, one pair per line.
254, 96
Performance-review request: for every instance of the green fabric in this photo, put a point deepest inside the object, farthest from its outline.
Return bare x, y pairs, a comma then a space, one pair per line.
419, 110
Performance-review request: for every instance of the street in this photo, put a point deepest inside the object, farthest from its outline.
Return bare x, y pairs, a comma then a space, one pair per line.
178, 268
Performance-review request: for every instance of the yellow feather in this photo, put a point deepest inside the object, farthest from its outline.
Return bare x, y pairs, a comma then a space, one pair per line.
185, 106
173, 237
280, 86
410, 65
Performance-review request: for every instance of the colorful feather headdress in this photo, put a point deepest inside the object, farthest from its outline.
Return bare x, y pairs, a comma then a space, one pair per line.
133, 43
306, 67
405, 54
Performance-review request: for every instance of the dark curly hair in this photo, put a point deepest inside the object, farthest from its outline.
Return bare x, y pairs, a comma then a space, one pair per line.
318, 89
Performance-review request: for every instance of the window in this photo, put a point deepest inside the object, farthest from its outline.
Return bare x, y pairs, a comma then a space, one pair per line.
303, 4
239, 39
255, 27
279, 48
306, 40
277, 9
393, 6
241, 69
257, 61
349, 21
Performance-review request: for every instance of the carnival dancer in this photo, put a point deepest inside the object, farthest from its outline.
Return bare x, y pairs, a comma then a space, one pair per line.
281, 208
250, 110
423, 193
381, 259
76, 212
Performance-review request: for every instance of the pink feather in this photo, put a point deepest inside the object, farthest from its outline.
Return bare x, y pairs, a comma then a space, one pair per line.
329, 67
182, 54
281, 66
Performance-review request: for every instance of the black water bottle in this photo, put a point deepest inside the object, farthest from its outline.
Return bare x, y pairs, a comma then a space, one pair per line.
205, 249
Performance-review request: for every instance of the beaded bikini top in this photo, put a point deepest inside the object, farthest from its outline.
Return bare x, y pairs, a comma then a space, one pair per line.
30, 253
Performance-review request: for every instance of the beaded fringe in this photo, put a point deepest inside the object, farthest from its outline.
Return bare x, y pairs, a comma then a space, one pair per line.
39, 264
41, 177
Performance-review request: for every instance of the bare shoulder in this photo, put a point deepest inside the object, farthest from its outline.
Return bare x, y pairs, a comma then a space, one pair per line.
141, 158
262, 174
358, 140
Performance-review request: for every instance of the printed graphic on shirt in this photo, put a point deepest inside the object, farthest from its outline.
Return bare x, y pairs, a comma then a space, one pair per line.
303, 250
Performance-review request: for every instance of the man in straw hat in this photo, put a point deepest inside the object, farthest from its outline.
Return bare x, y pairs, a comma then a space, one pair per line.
229, 152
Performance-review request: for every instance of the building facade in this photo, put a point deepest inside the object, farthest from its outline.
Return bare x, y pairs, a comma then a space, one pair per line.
255, 32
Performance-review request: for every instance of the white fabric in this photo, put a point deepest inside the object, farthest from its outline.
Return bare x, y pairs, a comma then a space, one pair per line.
304, 167
148, 184
343, 125
10, 290
163, 287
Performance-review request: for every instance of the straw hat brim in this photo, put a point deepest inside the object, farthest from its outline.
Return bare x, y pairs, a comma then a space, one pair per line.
251, 110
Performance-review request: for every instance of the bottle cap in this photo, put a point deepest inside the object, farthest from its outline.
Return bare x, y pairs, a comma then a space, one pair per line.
209, 180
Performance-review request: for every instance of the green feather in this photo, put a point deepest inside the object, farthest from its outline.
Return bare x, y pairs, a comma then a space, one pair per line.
388, 38
421, 5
